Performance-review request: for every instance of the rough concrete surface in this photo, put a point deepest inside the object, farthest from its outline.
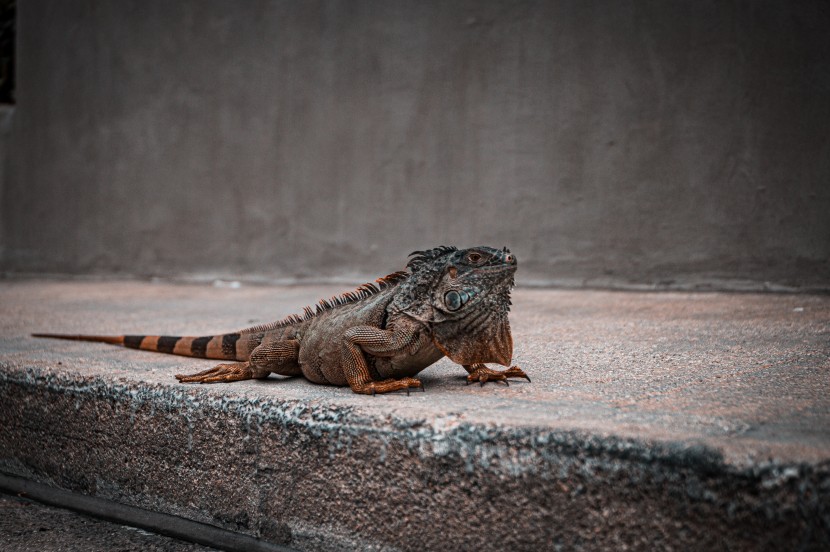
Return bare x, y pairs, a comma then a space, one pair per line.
654, 421
27, 526
682, 143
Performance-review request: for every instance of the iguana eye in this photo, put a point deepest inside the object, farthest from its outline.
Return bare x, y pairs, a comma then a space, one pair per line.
474, 257
452, 299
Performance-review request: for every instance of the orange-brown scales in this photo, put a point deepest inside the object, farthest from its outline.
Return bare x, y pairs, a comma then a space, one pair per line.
375, 339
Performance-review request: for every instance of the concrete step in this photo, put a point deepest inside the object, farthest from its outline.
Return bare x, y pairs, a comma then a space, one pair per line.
654, 421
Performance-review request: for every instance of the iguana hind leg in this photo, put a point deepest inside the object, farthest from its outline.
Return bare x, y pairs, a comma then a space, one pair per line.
483, 374
223, 373
279, 357
377, 342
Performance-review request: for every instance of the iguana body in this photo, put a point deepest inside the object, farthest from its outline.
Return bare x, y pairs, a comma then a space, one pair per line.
375, 339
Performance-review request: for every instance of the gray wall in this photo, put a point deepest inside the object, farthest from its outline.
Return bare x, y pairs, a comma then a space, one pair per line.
605, 142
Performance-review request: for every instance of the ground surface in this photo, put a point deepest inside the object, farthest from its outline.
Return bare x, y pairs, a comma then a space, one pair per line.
27, 526
743, 377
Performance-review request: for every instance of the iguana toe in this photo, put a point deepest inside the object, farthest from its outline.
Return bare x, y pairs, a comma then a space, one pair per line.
387, 386
482, 374
222, 373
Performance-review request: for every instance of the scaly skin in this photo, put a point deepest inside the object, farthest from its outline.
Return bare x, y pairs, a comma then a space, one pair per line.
375, 339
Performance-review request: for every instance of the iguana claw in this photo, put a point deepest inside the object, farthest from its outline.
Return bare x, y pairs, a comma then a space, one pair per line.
482, 374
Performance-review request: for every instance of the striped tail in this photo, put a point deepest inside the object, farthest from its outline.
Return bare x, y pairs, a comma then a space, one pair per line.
219, 347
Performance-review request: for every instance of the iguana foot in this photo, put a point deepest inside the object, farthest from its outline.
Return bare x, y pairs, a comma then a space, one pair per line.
220, 374
387, 386
483, 374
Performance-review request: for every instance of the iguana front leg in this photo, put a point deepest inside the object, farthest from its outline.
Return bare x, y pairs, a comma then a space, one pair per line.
376, 342
483, 374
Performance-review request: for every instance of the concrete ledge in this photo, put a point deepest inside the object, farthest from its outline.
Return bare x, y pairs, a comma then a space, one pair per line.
653, 421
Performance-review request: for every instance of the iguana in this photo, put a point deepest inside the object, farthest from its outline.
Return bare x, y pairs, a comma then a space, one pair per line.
375, 339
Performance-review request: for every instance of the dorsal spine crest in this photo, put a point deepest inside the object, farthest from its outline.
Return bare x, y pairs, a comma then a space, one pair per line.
364, 291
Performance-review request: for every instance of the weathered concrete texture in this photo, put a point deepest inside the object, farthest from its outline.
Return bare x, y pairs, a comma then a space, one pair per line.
682, 143
654, 420
27, 526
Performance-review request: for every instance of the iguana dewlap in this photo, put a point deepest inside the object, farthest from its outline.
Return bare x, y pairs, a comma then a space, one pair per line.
375, 339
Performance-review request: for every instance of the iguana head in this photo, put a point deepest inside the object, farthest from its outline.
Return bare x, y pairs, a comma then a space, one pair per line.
472, 280
465, 295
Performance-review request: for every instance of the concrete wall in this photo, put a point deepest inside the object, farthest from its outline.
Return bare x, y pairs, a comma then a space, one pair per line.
606, 142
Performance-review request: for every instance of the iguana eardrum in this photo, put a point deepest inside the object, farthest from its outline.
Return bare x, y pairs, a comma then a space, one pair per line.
375, 339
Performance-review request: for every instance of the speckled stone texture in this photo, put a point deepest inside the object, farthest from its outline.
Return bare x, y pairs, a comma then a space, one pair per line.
27, 526
654, 421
